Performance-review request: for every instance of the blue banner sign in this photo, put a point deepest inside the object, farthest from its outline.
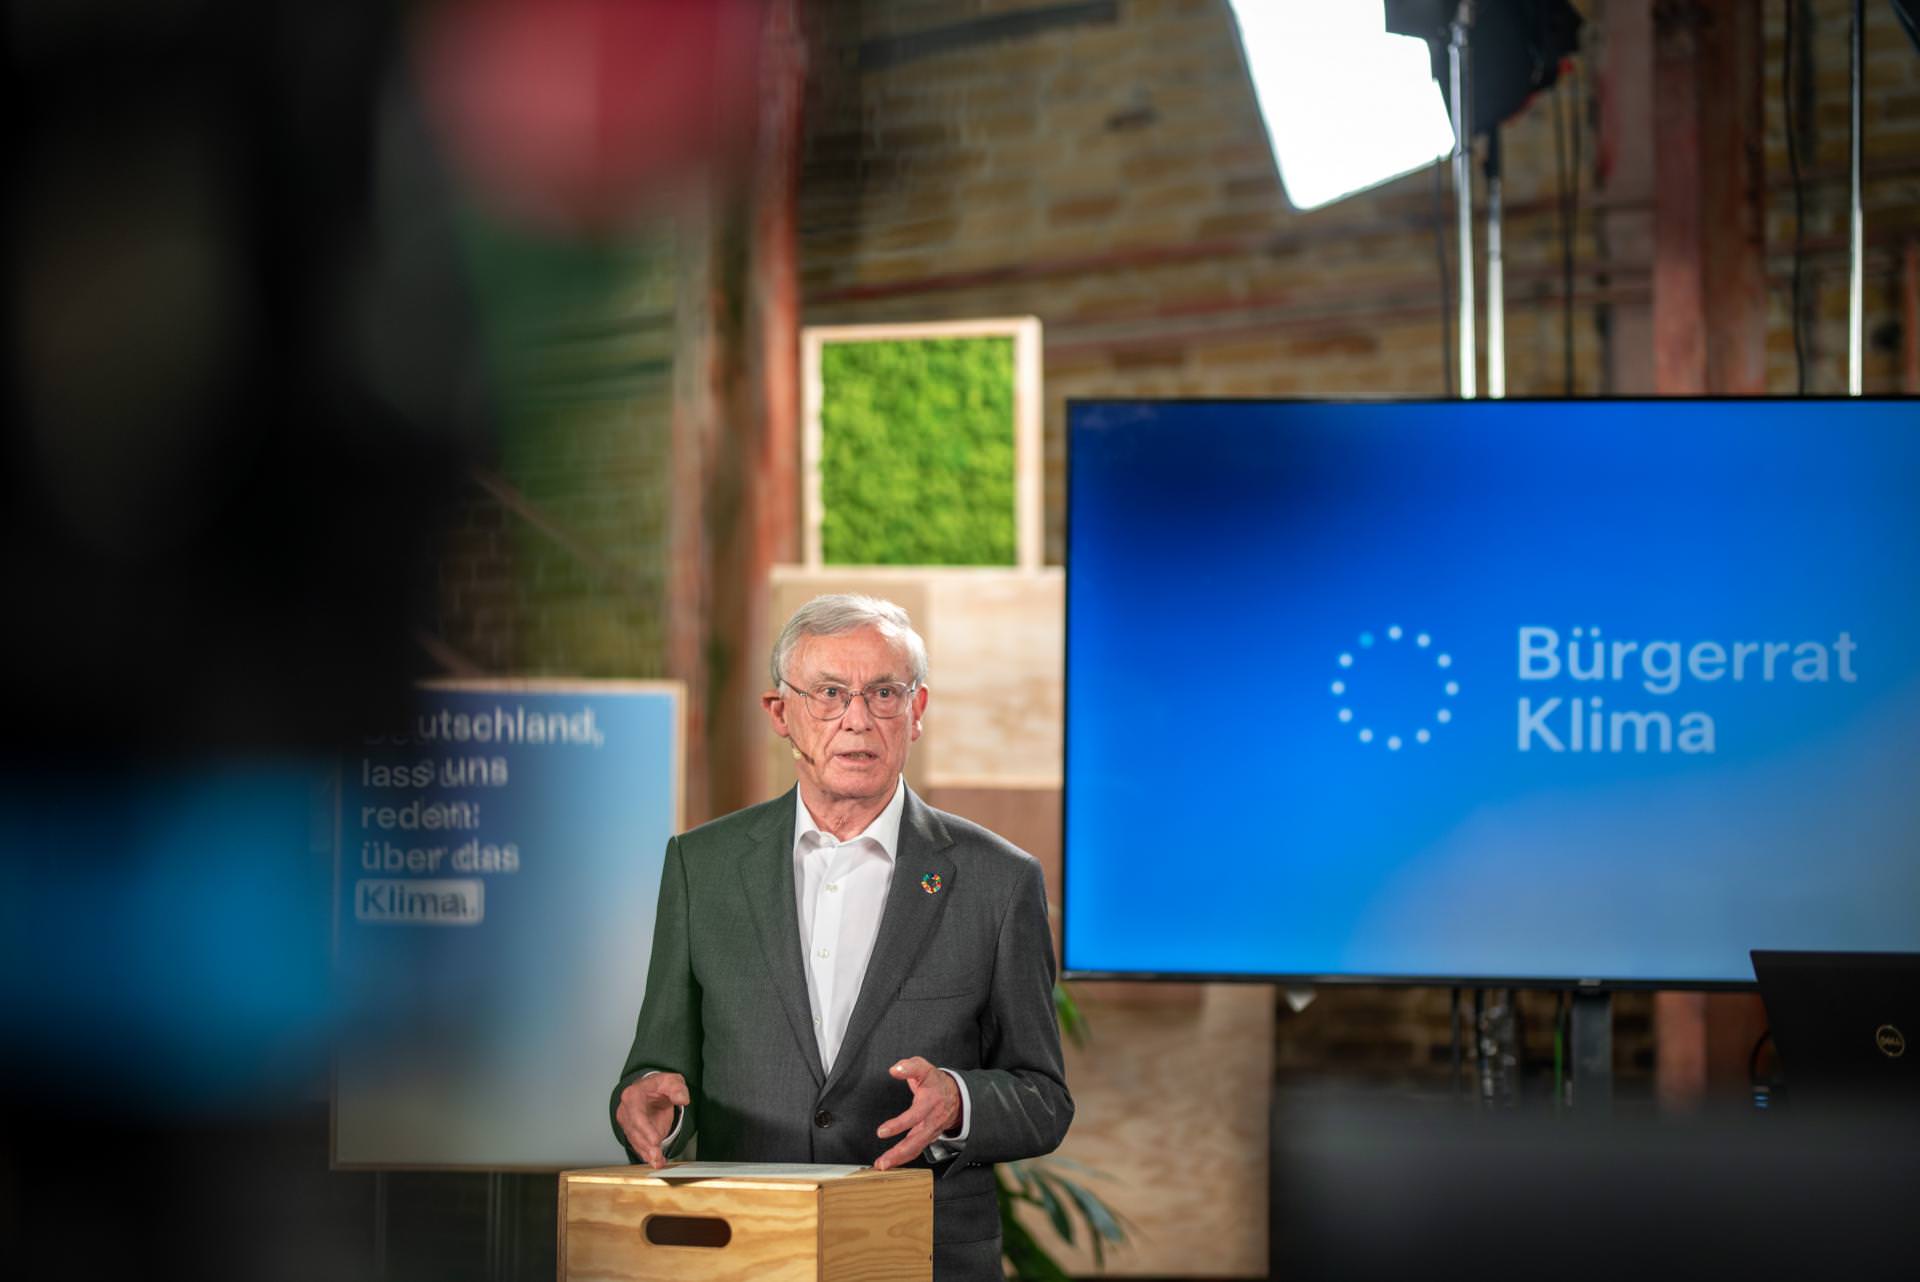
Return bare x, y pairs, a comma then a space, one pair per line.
497, 864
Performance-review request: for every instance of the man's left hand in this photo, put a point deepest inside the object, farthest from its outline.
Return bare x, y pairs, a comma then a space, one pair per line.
935, 1110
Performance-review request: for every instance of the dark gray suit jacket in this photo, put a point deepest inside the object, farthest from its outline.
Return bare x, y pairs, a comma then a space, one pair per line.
963, 977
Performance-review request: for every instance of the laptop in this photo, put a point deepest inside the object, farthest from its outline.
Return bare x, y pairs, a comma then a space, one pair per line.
1845, 1025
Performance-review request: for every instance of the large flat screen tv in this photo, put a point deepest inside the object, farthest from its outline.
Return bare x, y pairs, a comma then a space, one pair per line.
1532, 692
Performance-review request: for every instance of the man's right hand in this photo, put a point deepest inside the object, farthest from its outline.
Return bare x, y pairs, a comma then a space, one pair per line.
646, 1113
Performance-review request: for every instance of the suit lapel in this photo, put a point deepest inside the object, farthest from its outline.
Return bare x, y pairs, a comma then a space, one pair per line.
767, 872
906, 923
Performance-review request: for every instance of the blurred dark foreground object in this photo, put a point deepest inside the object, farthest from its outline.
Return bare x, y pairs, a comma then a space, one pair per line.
1366, 1189
110, 1194
241, 384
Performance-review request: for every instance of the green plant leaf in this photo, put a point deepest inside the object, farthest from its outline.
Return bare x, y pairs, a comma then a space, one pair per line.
1101, 1219
1022, 1184
1061, 1160
1030, 1261
1038, 1182
1022, 1188
1050, 1202
1073, 1025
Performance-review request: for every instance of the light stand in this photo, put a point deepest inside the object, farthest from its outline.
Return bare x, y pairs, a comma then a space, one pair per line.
1459, 69
1856, 230
1496, 276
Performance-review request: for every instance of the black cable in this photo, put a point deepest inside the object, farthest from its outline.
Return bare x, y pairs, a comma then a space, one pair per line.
1576, 129
1446, 374
1753, 1056
1761, 1092
1799, 200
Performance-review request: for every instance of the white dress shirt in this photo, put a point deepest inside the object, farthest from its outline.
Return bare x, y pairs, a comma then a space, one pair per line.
840, 891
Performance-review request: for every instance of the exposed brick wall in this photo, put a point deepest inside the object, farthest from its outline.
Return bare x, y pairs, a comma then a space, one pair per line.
1113, 178
556, 564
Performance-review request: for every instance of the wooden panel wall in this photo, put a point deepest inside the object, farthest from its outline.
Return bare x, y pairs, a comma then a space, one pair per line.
996, 643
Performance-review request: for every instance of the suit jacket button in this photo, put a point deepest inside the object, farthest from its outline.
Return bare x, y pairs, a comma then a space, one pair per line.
823, 1119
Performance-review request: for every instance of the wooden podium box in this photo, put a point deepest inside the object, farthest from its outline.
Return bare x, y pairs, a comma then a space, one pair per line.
627, 1223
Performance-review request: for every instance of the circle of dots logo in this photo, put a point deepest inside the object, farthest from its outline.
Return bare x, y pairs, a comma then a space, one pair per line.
1394, 728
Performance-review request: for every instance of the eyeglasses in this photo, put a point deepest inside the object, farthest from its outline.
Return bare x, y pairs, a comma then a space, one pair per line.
829, 702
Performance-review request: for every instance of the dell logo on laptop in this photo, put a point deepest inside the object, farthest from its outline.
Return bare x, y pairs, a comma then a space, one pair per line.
1891, 1041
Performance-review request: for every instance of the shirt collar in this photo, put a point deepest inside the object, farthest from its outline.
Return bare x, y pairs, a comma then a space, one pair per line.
884, 831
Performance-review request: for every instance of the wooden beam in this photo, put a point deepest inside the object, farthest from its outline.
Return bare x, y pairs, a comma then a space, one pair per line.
689, 575
1733, 251
1709, 269
736, 435
764, 511
1679, 310
1709, 333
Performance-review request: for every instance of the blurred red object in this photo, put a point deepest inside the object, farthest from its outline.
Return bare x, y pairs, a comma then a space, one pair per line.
576, 113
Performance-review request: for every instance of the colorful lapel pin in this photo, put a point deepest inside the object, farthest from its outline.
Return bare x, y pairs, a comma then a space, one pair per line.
930, 882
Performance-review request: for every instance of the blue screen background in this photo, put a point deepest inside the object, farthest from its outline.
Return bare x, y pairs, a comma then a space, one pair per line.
1222, 820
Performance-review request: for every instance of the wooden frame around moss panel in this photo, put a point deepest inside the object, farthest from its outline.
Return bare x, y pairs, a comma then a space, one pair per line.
1025, 333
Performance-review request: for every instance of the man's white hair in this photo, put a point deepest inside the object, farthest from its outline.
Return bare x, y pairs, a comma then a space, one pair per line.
839, 613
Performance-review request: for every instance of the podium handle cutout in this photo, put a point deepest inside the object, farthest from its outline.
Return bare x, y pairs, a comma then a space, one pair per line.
687, 1230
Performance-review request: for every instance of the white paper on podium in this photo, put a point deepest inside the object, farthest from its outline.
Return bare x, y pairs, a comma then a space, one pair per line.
754, 1171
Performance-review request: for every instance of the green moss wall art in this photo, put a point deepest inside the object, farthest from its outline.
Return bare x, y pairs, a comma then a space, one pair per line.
917, 452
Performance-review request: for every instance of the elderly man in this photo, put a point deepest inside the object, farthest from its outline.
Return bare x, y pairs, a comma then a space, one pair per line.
846, 974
